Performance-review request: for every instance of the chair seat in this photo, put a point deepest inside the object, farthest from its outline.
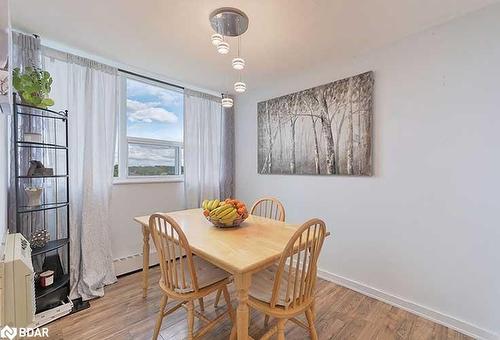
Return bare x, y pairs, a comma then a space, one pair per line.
263, 283
207, 274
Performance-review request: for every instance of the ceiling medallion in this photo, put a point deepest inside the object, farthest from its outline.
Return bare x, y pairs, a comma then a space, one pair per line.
229, 22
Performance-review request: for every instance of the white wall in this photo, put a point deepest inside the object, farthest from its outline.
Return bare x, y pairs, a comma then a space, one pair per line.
426, 226
132, 200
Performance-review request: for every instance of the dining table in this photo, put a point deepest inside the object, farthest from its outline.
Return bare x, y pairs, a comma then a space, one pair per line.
253, 246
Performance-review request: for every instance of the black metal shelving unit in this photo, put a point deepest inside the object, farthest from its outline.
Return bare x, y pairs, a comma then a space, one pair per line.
52, 214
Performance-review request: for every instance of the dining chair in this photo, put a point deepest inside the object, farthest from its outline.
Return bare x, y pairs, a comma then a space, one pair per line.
185, 278
286, 289
269, 207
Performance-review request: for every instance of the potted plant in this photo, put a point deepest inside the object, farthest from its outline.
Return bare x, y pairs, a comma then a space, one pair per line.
33, 86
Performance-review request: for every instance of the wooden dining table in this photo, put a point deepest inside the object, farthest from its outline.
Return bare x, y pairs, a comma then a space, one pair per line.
256, 244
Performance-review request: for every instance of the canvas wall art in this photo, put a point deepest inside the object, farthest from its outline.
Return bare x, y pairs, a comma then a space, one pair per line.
325, 130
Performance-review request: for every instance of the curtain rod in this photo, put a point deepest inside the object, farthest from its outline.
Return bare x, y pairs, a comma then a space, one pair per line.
65, 49
149, 78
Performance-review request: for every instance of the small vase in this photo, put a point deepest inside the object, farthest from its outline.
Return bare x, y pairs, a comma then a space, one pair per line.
34, 196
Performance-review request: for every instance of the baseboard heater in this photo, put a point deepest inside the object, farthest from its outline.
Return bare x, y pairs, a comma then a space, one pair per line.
132, 263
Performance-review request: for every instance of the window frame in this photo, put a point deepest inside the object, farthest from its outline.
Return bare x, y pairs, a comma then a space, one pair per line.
124, 140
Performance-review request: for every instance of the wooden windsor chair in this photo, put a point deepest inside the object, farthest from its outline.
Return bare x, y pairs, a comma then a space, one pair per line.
185, 278
266, 207
286, 290
269, 207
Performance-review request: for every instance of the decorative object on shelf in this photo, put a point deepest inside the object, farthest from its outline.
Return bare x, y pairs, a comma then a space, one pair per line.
34, 195
38, 169
39, 238
229, 22
33, 86
46, 278
325, 130
225, 214
32, 137
53, 262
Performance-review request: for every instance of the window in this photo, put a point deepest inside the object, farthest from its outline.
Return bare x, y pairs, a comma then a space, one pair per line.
150, 132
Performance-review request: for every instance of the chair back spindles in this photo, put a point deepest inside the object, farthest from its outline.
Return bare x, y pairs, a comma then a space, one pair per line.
176, 259
296, 273
269, 207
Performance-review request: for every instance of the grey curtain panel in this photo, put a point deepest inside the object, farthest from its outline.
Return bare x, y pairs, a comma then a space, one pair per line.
88, 90
208, 149
227, 173
26, 51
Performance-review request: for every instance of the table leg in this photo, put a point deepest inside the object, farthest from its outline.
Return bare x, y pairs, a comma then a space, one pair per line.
145, 260
242, 282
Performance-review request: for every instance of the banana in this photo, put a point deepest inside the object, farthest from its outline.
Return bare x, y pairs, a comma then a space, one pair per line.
204, 204
215, 211
215, 204
211, 205
225, 213
228, 219
223, 210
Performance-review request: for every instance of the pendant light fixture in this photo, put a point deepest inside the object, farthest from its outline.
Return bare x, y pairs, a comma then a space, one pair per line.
229, 22
238, 62
240, 87
226, 101
223, 47
216, 39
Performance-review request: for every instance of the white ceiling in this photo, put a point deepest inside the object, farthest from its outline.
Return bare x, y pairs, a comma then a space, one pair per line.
172, 38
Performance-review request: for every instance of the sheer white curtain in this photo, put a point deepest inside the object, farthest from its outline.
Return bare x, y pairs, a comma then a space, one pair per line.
205, 132
88, 90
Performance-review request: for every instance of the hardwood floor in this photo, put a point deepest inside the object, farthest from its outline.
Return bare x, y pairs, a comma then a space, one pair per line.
341, 314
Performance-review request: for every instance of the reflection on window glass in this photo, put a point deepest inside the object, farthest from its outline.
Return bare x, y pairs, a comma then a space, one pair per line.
151, 160
151, 139
154, 112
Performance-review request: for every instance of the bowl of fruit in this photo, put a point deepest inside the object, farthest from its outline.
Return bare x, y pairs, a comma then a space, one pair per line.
225, 214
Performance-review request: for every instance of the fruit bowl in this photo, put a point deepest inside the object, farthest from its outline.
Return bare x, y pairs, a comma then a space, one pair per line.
225, 214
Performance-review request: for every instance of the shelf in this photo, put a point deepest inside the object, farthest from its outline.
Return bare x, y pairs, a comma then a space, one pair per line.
51, 245
59, 283
59, 115
53, 176
24, 144
42, 207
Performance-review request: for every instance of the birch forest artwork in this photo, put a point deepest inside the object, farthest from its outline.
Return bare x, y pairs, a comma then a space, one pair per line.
326, 130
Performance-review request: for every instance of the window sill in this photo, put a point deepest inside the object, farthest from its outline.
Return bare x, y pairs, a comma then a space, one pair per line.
146, 180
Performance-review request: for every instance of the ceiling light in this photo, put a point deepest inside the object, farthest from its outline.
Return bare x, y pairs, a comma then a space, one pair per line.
217, 38
223, 47
238, 63
227, 102
240, 87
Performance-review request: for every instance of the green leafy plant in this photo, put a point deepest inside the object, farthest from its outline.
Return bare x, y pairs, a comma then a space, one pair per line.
33, 85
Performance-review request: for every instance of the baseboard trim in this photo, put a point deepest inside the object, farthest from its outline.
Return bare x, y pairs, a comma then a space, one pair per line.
131, 263
427, 313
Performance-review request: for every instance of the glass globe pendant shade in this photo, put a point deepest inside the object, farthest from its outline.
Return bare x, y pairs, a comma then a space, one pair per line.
223, 47
238, 63
240, 87
216, 39
227, 102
